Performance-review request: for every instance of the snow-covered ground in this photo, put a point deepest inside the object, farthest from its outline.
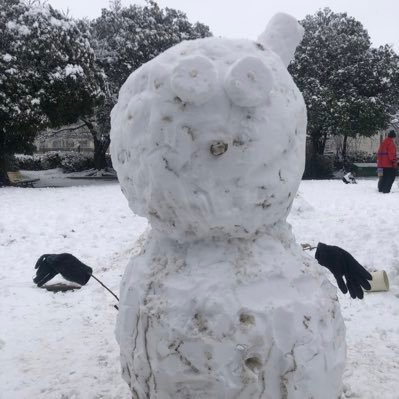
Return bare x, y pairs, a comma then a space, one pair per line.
364, 222
62, 346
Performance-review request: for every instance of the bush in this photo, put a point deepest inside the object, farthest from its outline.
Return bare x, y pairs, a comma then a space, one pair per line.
68, 161
361, 156
50, 160
28, 162
76, 162
351, 158
319, 167
10, 162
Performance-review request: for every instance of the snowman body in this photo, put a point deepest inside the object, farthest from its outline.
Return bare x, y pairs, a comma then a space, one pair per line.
208, 142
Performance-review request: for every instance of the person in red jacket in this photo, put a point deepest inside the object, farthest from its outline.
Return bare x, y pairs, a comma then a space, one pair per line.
386, 160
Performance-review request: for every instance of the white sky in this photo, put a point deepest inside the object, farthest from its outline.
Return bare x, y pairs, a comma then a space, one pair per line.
248, 18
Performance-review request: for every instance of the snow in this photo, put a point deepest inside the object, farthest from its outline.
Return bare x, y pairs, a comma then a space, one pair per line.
73, 70
249, 82
11, 71
62, 345
208, 140
11, 25
69, 70
168, 159
364, 222
22, 29
241, 330
56, 178
7, 57
282, 35
63, 23
194, 79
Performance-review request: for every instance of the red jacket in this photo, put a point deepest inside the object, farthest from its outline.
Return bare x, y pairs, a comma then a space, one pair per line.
386, 155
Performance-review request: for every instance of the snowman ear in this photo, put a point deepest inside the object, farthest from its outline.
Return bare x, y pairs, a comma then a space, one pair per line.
248, 82
282, 35
194, 79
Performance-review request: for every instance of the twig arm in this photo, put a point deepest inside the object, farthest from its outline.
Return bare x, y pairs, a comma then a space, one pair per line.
95, 278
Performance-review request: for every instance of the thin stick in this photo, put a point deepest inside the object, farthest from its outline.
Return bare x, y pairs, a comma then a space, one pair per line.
95, 278
309, 248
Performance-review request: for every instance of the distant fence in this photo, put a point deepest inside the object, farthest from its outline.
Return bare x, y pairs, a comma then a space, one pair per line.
84, 150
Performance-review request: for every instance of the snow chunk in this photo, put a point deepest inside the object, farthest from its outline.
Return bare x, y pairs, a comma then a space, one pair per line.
283, 34
248, 82
194, 79
22, 29
73, 70
11, 71
7, 57
63, 23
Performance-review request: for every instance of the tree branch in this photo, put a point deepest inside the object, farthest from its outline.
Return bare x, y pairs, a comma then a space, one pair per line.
68, 128
54, 132
90, 126
92, 129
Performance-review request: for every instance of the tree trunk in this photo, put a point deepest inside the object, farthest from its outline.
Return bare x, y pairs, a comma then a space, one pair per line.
323, 143
100, 149
314, 159
100, 146
318, 143
3, 169
4, 180
344, 146
315, 146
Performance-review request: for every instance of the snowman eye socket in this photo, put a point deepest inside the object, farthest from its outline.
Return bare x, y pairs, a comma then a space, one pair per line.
194, 79
248, 82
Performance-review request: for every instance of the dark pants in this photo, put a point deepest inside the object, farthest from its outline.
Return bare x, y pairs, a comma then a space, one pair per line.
386, 180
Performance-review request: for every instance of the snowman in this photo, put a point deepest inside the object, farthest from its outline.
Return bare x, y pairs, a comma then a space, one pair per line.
208, 140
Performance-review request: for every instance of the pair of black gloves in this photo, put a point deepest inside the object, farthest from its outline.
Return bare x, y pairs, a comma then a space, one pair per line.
340, 263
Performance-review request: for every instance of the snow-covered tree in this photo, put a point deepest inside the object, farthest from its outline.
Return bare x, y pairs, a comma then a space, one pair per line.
124, 38
349, 88
46, 73
127, 37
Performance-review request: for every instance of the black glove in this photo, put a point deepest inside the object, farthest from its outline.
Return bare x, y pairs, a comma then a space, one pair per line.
71, 268
342, 263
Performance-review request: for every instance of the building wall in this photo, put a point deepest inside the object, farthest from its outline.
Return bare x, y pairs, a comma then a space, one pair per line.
65, 141
368, 145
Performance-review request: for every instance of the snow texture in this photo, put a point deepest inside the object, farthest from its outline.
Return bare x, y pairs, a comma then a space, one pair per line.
221, 302
61, 345
248, 82
161, 144
282, 35
229, 319
194, 80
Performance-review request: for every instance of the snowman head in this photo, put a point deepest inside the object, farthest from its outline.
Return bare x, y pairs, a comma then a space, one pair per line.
208, 138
